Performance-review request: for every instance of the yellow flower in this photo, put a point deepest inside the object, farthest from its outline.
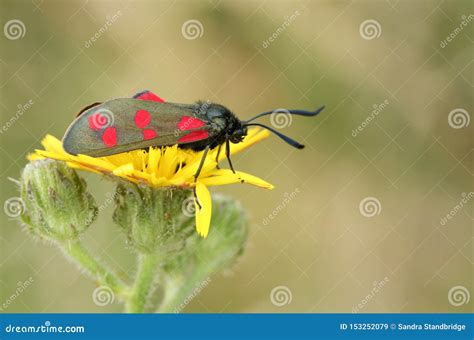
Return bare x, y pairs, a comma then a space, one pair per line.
164, 167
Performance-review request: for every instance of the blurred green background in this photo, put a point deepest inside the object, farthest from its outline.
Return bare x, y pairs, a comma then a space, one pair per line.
412, 159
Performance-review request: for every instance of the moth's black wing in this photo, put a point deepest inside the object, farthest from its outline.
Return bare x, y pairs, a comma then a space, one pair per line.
126, 124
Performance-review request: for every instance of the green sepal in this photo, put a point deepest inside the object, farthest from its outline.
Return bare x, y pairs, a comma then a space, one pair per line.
57, 203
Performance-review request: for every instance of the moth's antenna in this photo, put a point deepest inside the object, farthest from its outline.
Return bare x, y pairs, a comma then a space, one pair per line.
287, 139
292, 112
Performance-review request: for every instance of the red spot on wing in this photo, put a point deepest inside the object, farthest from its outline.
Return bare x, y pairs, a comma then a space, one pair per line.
109, 137
150, 96
149, 134
194, 136
97, 121
189, 123
142, 118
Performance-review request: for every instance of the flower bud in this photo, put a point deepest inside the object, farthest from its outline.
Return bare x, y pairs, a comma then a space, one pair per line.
57, 203
192, 268
223, 245
154, 220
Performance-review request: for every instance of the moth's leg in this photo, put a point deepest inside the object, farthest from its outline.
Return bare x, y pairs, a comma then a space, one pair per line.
196, 198
201, 163
227, 154
217, 156
196, 175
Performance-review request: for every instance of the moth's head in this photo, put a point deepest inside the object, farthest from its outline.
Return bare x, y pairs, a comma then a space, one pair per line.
216, 113
225, 119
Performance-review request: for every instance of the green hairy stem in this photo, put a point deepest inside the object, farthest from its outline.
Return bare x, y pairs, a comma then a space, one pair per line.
174, 264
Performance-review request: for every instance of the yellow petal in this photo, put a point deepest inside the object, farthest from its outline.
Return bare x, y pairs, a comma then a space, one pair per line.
173, 161
124, 170
60, 156
34, 157
226, 176
203, 214
162, 167
192, 165
80, 167
254, 180
52, 144
154, 156
253, 136
136, 157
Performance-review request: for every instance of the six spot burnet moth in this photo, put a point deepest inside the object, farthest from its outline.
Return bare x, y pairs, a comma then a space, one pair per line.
146, 120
